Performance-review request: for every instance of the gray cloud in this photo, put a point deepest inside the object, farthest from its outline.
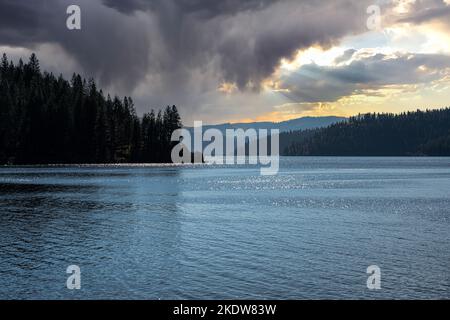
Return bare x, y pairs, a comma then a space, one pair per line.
346, 56
110, 47
123, 41
201, 8
428, 10
244, 39
314, 83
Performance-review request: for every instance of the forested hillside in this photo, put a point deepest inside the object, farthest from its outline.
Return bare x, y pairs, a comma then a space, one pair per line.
407, 134
47, 119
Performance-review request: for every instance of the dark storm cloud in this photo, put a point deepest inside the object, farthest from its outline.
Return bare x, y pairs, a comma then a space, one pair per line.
109, 47
204, 8
246, 39
314, 83
121, 42
249, 53
21, 22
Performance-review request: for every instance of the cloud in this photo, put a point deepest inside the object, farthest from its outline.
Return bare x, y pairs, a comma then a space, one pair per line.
186, 52
110, 47
313, 83
121, 42
346, 56
243, 41
422, 11
201, 8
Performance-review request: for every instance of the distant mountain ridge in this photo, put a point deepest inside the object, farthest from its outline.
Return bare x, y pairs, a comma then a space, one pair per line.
303, 123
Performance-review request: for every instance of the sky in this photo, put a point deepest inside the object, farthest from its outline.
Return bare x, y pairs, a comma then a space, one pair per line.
243, 61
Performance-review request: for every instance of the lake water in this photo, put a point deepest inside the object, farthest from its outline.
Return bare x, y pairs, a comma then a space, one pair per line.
205, 232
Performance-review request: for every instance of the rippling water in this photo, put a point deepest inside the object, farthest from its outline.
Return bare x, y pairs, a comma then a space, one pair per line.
149, 232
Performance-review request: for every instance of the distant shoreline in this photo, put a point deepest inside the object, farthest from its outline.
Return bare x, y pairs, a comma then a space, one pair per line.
143, 165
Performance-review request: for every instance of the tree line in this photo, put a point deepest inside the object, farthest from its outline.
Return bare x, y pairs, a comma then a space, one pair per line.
419, 133
46, 119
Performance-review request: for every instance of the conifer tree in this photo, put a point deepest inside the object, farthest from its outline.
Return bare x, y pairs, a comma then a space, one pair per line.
47, 119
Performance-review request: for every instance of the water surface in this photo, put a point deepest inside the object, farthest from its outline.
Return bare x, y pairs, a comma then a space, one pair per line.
205, 232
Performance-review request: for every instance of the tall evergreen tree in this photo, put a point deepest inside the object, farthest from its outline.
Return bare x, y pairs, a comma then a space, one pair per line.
44, 119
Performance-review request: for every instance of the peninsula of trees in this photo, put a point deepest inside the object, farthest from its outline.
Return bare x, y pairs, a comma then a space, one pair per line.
46, 120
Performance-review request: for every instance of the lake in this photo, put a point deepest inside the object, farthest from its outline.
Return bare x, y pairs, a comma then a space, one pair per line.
225, 232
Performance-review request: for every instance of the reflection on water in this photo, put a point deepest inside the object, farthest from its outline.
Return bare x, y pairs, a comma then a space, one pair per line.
211, 232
